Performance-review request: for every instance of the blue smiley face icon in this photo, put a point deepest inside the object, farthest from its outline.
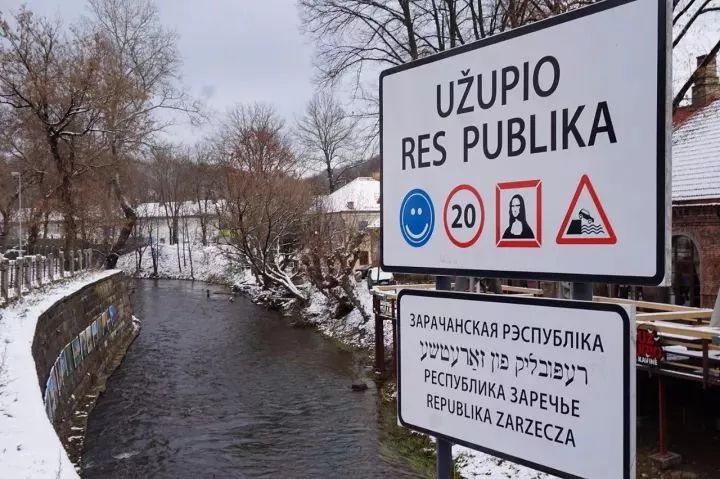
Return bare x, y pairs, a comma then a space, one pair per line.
417, 218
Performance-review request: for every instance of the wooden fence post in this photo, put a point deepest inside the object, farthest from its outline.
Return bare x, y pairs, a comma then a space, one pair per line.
61, 264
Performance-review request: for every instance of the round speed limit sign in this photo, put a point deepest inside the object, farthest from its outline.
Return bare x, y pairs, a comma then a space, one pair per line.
464, 216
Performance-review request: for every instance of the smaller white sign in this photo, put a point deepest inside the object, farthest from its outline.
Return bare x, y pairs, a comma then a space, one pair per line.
545, 383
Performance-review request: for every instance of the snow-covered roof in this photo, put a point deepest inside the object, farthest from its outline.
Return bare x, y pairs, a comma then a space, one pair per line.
696, 156
27, 213
361, 194
187, 208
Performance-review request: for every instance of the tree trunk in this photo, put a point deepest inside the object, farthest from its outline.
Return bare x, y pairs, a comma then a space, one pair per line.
127, 228
5, 222
66, 199
329, 172
189, 248
174, 232
408, 21
33, 233
46, 220
69, 216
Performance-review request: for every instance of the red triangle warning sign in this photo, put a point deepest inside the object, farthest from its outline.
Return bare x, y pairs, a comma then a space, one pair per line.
585, 221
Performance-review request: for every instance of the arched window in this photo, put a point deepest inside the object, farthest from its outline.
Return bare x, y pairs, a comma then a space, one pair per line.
685, 272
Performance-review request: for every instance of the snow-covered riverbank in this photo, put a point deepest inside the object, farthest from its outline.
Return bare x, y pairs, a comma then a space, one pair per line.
211, 264
29, 446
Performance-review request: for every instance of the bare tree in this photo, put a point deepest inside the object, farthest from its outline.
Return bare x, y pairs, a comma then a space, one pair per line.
172, 169
54, 77
352, 34
329, 137
265, 200
142, 237
140, 70
204, 188
332, 248
686, 13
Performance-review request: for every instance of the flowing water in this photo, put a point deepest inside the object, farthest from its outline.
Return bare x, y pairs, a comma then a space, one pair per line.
220, 389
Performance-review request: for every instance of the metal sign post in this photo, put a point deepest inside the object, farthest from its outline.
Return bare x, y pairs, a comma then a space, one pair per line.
443, 448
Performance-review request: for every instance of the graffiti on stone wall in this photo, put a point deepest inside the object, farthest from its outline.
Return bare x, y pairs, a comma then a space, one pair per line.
70, 358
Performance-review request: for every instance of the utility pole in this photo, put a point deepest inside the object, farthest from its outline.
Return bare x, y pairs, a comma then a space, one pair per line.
16, 174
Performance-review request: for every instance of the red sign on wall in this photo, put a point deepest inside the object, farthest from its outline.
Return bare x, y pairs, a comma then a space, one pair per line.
649, 351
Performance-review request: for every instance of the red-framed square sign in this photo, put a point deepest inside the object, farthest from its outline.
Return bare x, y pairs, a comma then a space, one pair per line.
518, 214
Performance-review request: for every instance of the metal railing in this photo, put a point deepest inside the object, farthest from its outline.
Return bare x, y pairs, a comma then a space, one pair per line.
23, 275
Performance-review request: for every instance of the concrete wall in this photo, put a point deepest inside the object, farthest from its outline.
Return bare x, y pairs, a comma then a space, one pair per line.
62, 325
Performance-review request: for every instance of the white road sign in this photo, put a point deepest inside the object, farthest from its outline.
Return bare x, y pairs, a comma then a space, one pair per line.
537, 153
545, 383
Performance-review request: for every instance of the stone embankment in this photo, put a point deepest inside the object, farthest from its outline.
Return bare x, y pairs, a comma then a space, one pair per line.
61, 344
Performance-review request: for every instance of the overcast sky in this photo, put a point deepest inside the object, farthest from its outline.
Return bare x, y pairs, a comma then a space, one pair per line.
233, 51
252, 50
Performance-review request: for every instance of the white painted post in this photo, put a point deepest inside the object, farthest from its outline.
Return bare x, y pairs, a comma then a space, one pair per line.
11, 274
18, 277
51, 267
27, 271
40, 270
28, 262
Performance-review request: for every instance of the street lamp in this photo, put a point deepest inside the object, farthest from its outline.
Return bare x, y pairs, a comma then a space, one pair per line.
16, 174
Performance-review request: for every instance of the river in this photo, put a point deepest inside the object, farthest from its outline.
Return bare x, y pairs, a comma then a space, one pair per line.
220, 389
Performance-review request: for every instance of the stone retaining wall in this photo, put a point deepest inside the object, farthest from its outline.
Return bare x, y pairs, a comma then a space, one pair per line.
64, 323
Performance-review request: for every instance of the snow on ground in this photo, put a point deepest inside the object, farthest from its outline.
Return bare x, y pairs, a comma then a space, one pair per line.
474, 464
29, 446
209, 263
351, 329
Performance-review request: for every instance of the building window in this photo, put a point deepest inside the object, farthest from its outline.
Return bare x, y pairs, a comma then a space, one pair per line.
685, 269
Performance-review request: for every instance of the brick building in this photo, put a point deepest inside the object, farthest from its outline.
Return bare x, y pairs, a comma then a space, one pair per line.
696, 195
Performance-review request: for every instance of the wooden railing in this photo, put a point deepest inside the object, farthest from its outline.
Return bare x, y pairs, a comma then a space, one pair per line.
686, 346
